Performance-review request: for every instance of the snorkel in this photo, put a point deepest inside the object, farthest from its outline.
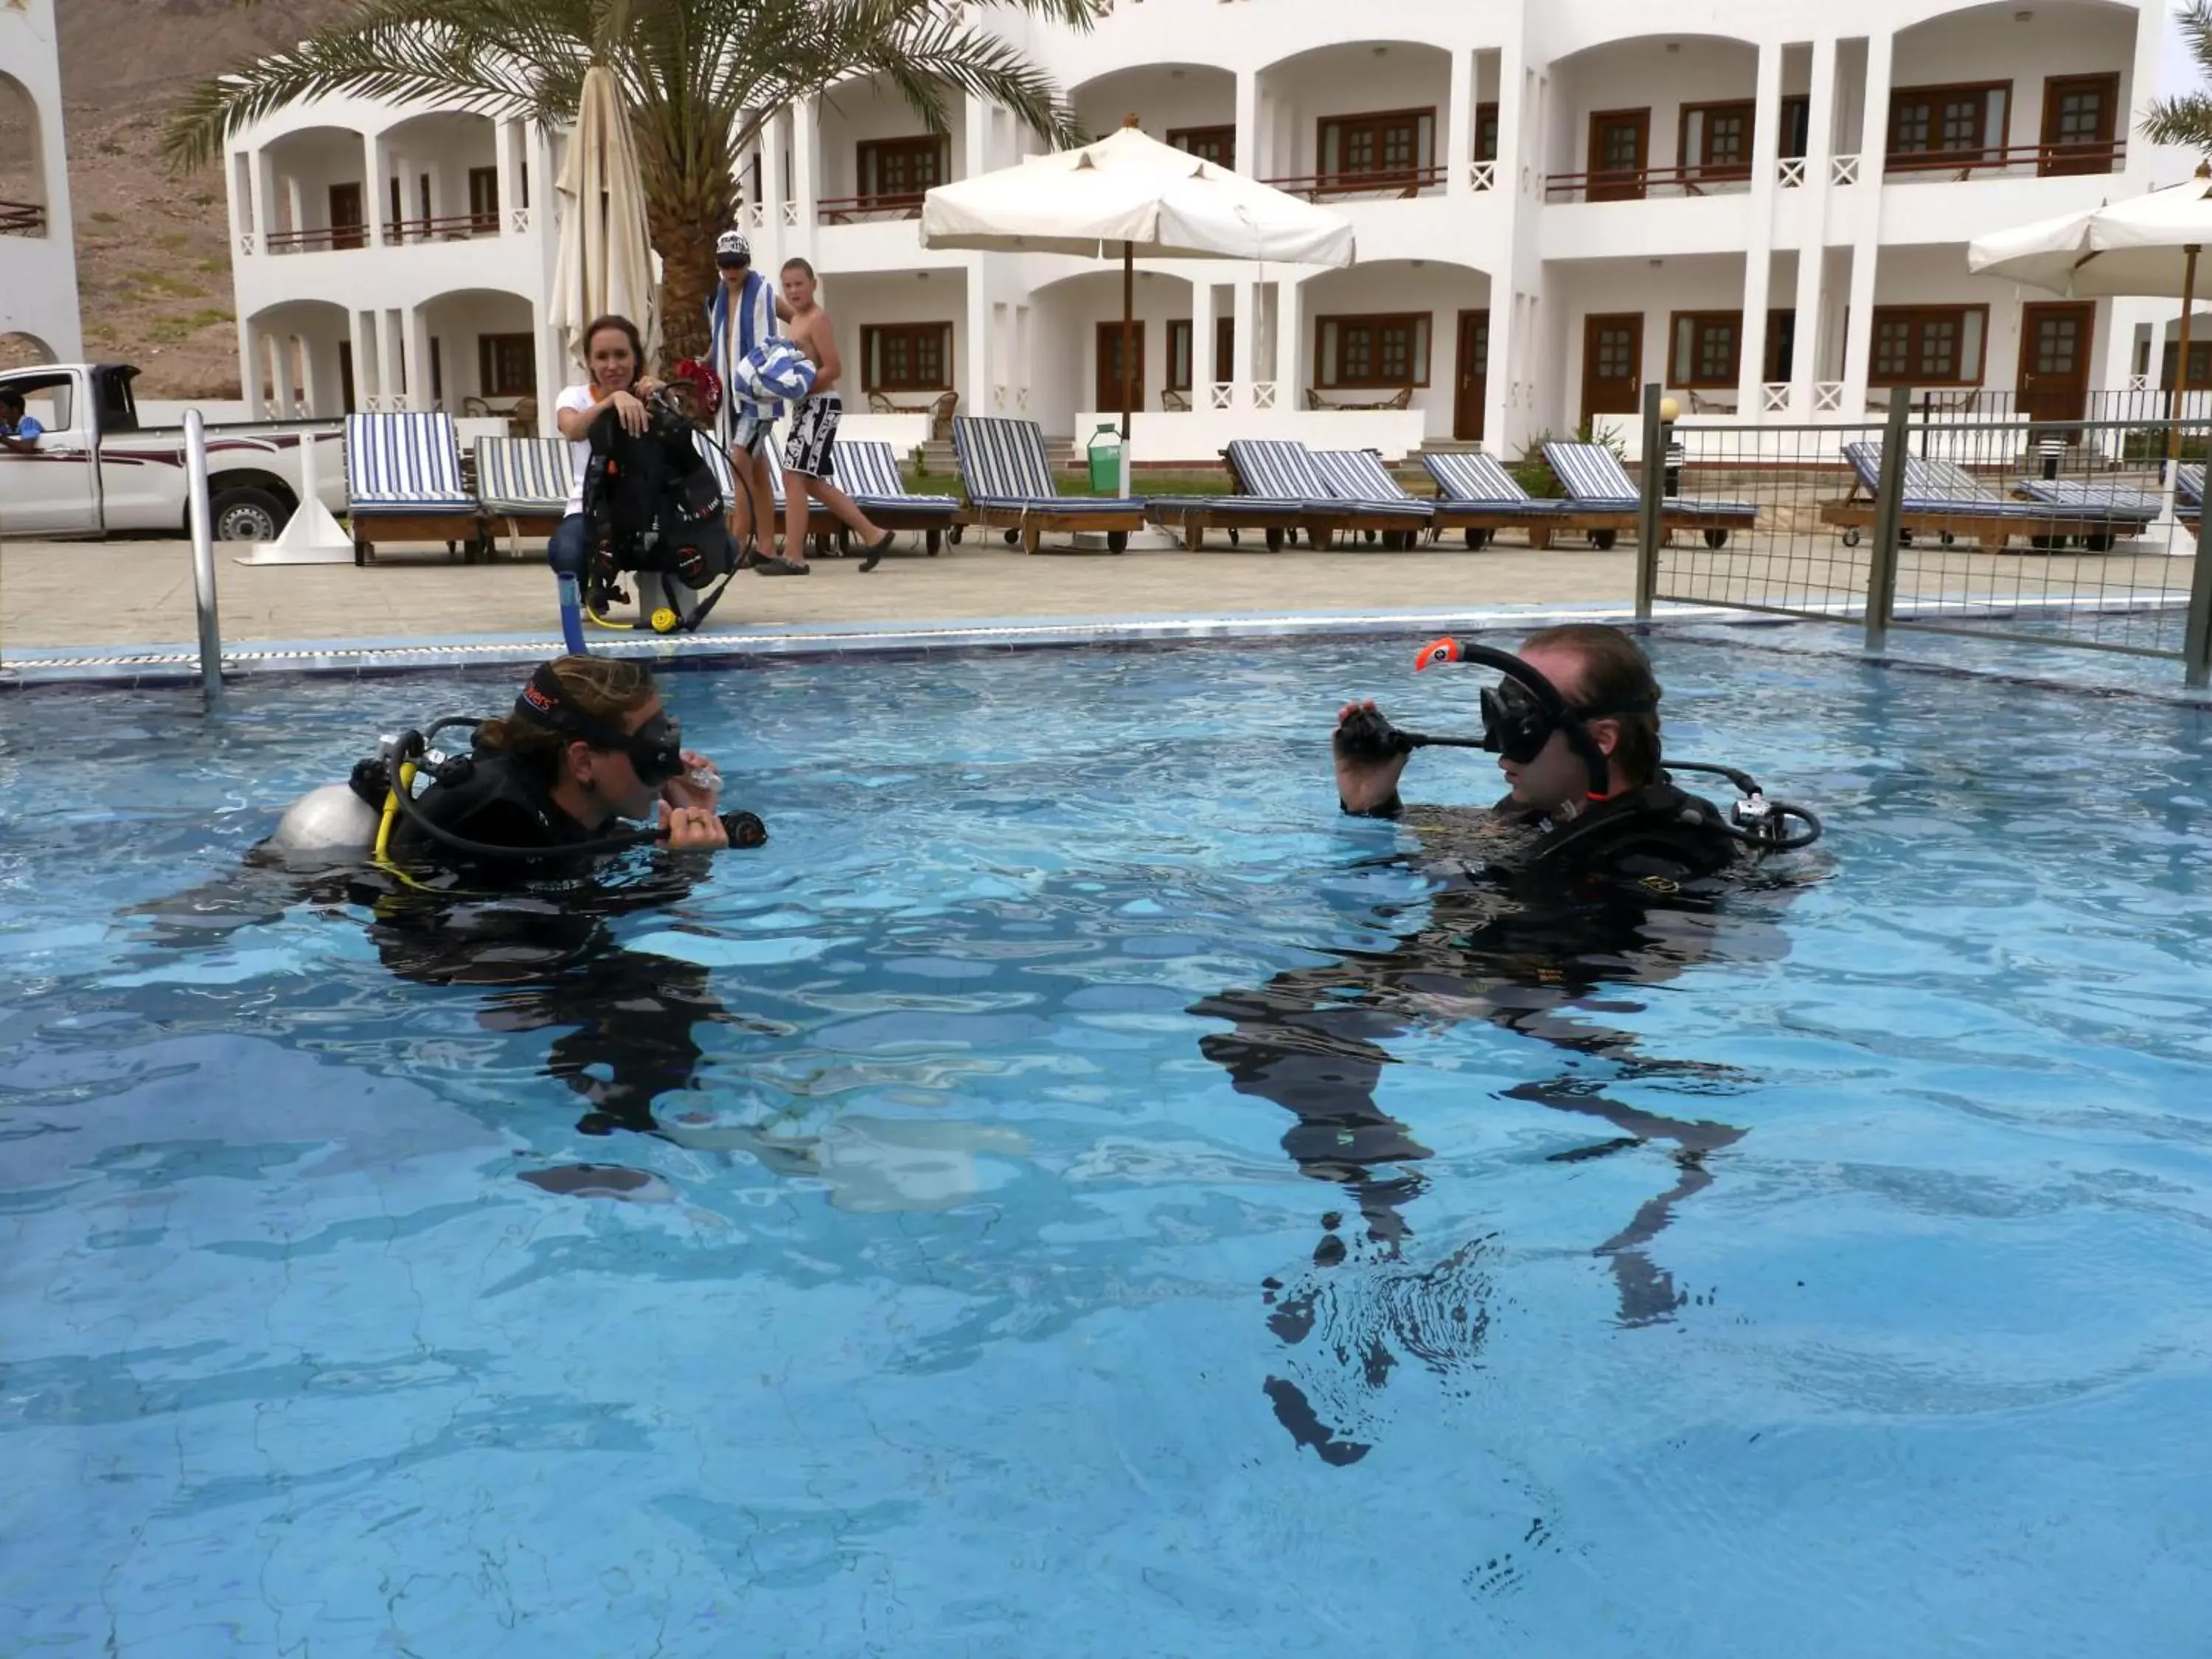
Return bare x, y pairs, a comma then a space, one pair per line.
1519, 715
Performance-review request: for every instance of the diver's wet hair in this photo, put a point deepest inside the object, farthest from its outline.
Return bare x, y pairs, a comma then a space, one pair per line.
608, 690
1614, 673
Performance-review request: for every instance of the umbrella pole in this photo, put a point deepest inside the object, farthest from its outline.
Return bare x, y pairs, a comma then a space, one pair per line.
2181, 366
1129, 344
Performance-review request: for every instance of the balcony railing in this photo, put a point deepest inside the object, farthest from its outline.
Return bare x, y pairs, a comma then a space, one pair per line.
454, 227
2049, 160
1395, 184
864, 209
1634, 184
22, 219
316, 242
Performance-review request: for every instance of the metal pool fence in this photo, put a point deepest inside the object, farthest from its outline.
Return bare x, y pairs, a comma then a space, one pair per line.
2077, 533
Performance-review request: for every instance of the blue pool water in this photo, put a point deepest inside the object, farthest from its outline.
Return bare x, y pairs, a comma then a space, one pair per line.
967, 1308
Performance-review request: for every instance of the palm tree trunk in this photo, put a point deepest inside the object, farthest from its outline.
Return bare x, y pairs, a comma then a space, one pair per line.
686, 208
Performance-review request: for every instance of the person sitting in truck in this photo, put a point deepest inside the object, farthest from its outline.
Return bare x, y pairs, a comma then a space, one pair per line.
20, 430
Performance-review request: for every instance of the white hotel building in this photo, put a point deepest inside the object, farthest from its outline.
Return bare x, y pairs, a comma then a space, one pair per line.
38, 251
1763, 204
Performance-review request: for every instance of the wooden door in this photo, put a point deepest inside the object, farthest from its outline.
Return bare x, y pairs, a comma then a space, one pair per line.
1473, 382
345, 218
2078, 120
2054, 360
345, 377
1613, 363
1620, 150
1109, 367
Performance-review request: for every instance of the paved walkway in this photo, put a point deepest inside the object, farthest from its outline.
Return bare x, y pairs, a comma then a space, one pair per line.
120, 595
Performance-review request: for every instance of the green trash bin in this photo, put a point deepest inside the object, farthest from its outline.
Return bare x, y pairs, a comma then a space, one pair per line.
1105, 452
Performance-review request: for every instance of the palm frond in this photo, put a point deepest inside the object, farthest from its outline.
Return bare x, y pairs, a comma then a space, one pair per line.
493, 57
2185, 120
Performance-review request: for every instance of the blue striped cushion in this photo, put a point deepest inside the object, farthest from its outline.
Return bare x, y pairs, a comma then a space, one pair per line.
1260, 507
718, 463
1280, 469
868, 470
2189, 485
1359, 476
1478, 480
1940, 486
524, 475
1595, 477
1002, 459
405, 461
1592, 474
2120, 500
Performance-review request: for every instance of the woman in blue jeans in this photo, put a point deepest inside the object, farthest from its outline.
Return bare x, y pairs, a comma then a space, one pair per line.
616, 354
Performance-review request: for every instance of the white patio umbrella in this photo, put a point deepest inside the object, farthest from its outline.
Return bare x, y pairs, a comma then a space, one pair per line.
2144, 247
1141, 195
605, 261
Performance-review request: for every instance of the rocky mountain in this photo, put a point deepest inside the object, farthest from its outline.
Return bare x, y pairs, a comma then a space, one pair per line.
152, 250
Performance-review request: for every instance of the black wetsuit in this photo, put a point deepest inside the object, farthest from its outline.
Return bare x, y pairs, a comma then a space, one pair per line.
536, 928
1531, 918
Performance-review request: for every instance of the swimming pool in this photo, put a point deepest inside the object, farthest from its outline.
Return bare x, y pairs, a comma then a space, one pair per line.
972, 1310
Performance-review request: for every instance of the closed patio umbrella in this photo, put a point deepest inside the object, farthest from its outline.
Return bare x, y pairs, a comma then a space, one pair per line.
1139, 197
604, 264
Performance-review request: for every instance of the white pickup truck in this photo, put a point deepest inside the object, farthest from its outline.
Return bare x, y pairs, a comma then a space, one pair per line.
97, 472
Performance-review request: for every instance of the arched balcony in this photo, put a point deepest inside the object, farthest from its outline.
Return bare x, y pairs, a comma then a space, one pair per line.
1658, 115
22, 161
1365, 120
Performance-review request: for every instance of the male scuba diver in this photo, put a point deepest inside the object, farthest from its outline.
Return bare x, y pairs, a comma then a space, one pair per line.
490, 876
1596, 867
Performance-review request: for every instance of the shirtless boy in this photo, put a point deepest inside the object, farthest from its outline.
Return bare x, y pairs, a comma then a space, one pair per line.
806, 457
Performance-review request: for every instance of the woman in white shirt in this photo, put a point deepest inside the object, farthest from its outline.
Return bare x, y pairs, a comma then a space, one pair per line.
617, 356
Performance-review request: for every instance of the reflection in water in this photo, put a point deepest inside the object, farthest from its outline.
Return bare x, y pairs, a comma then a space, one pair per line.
1529, 958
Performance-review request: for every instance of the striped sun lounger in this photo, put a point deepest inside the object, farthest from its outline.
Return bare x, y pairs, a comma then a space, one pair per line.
868, 470
1943, 500
1003, 469
1282, 470
403, 482
1475, 494
1359, 476
1596, 481
522, 483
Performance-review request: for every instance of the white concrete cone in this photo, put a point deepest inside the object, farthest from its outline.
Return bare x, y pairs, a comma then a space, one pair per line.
312, 536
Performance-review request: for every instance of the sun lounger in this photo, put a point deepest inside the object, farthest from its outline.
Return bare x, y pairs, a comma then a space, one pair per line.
523, 484
1276, 518
1943, 500
1475, 494
2125, 510
1359, 476
1282, 470
868, 471
1009, 483
403, 482
1597, 481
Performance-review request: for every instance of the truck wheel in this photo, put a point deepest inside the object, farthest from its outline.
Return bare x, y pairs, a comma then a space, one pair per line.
245, 514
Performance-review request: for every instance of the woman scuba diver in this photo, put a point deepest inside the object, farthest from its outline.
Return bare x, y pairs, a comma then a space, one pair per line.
486, 878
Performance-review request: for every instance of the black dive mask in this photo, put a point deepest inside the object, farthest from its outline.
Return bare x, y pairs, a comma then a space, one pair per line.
1520, 714
655, 749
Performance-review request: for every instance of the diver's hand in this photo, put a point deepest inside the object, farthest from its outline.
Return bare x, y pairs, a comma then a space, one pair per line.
681, 791
1369, 758
692, 829
630, 411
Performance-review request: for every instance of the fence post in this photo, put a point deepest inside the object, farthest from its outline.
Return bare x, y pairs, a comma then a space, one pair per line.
2196, 632
1650, 494
1888, 509
203, 527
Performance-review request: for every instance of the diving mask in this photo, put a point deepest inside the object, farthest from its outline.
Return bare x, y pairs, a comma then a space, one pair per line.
655, 750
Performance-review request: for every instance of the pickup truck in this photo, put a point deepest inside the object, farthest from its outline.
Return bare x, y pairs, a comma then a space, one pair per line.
97, 472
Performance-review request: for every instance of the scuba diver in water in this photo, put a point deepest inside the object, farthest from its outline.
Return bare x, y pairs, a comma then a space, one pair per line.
493, 874
1594, 868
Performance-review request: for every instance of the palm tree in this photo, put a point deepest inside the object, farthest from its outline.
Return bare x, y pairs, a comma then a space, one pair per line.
700, 78
2187, 120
